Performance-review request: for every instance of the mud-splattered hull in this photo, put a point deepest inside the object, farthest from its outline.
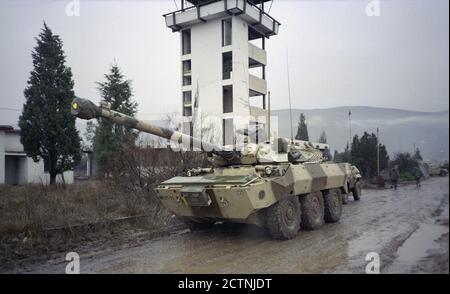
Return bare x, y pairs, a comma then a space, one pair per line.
238, 194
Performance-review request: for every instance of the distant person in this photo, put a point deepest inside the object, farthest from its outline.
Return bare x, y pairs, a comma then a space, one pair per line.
394, 175
417, 175
326, 154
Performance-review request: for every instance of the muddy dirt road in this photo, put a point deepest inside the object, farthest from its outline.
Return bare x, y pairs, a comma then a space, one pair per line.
408, 228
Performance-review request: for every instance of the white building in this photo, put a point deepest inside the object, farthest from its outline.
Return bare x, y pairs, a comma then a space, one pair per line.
223, 62
18, 169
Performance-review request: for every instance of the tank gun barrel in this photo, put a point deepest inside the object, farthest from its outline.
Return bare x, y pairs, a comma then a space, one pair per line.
86, 109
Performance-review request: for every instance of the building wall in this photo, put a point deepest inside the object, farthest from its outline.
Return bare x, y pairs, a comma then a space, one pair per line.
18, 169
241, 111
12, 144
206, 68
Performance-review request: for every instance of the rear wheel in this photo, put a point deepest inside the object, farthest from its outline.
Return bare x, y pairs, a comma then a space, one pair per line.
312, 211
283, 218
332, 200
356, 191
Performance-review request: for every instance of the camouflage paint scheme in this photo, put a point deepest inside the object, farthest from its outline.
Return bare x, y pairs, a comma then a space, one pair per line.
238, 187
238, 194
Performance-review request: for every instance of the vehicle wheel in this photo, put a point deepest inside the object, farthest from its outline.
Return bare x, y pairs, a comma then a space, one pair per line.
312, 211
345, 198
283, 218
196, 224
356, 191
333, 205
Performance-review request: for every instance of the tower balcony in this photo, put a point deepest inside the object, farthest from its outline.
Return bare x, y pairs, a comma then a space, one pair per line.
257, 86
258, 20
258, 113
257, 56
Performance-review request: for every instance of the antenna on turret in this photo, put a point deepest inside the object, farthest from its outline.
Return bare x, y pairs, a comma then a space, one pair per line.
289, 92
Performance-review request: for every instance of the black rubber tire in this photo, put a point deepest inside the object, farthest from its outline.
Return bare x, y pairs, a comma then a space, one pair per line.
283, 218
356, 191
312, 211
195, 224
332, 200
344, 199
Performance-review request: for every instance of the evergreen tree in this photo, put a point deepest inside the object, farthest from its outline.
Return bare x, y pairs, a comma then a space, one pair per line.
47, 126
302, 130
111, 139
417, 155
363, 154
323, 138
405, 162
336, 156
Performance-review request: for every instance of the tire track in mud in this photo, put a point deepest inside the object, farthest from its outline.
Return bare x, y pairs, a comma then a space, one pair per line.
382, 222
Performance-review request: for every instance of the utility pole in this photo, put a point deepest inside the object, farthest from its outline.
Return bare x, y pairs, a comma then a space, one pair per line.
268, 116
378, 152
350, 135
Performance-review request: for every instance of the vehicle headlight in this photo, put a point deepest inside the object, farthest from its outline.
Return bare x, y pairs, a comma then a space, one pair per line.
267, 170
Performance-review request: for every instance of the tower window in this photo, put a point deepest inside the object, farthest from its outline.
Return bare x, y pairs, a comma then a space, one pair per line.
187, 111
227, 99
228, 131
187, 103
187, 76
227, 65
187, 97
186, 41
226, 32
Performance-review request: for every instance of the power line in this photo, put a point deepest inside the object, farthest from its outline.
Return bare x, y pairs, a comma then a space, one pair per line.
270, 7
10, 109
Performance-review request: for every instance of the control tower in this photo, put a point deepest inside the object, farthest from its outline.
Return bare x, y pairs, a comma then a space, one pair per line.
223, 65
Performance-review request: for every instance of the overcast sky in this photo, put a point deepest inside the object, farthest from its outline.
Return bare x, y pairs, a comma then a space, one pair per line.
338, 55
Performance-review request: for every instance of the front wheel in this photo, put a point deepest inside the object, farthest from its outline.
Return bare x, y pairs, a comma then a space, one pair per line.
356, 191
283, 218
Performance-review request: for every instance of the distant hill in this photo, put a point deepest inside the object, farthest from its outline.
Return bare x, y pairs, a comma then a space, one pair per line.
399, 129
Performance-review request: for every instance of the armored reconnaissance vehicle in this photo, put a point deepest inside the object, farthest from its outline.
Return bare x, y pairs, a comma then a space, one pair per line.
280, 185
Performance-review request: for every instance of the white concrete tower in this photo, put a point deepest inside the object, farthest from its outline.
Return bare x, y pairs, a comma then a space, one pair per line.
223, 64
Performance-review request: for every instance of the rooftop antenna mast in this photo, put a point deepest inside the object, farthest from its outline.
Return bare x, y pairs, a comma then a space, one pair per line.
289, 92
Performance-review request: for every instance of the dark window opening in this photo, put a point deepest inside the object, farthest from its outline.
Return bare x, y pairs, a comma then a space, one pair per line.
186, 41
227, 99
187, 111
187, 97
226, 32
227, 65
187, 76
187, 103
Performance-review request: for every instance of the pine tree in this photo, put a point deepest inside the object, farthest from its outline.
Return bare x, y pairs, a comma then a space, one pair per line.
363, 154
110, 139
302, 131
323, 138
47, 126
417, 155
336, 156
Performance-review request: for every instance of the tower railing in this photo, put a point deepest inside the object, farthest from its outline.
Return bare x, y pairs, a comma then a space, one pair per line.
197, 6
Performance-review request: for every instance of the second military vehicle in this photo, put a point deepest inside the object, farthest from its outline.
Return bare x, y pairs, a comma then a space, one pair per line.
282, 185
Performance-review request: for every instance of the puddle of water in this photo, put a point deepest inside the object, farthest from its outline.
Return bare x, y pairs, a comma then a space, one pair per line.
416, 247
